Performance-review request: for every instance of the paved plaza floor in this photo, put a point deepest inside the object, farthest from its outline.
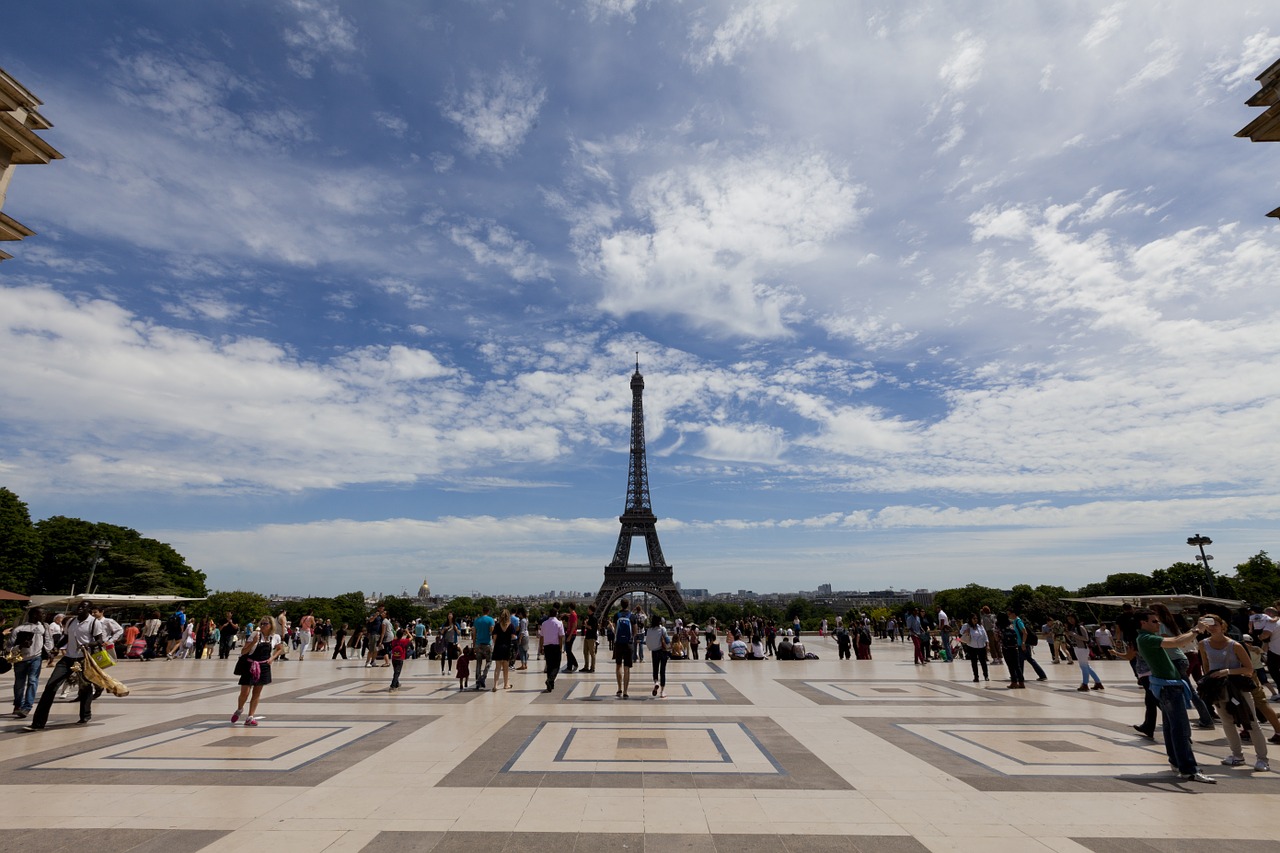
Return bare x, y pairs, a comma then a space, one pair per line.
745, 756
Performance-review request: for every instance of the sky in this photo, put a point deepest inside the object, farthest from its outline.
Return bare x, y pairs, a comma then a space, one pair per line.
342, 295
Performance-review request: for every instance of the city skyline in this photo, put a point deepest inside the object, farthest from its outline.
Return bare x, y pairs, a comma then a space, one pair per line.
331, 295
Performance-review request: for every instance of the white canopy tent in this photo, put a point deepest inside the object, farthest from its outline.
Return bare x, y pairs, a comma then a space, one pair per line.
108, 600
1175, 603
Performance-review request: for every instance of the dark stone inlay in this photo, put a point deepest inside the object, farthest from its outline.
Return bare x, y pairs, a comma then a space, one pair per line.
381, 693
1171, 845
257, 740
1058, 746
396, 841
795, 766
117, 840
642, 742
989, 697
24, 770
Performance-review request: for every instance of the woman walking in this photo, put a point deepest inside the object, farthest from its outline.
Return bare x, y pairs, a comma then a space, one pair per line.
450, 634
1230, 685
975, 640
505, 638
1079, 639
658, 642
32, 637
263, 647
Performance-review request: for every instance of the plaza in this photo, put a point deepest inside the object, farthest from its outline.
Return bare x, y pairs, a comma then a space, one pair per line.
745, 756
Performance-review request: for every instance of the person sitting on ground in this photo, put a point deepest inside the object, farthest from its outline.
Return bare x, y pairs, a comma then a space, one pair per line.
737, 649
798, 651
786, 648
757, 648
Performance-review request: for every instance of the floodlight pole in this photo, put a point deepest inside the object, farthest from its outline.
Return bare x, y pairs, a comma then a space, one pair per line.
1204, 558
100, 546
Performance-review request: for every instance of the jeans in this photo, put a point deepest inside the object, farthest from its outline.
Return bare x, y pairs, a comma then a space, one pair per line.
1202, 708
61, 673
1177, 729
396, 666
26, 679
1086, 671
639, 651
1028, 659
484, 657
659, 657
1013, 660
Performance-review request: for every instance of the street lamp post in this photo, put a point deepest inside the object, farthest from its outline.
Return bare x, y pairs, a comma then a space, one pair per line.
100, 547
1200, 541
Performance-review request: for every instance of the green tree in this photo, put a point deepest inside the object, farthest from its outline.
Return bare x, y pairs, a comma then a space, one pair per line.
1181, 578
246, 607
1257, 579
20, 545
134, 563
349, 608
1128, 583
960, 603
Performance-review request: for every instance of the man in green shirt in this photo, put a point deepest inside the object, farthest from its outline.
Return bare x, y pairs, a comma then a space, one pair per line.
1171, 692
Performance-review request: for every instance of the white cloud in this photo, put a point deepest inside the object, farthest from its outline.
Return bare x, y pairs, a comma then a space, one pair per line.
490, 244
394, 124
497, 111
745, 443
750, 22
724, 238
625, 9
1104, 27
321, 32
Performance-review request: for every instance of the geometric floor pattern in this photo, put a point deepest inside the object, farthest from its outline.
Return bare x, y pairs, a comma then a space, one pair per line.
814, 756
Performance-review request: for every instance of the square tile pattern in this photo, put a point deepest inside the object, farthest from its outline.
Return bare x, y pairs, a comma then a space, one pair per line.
901, 692
623, 752
710, 691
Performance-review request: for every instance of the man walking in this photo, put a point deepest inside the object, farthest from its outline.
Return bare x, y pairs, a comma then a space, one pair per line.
552, 633
226, 634
570, 634
624, 635
1167, 685
482, 631
84, 635
919, 637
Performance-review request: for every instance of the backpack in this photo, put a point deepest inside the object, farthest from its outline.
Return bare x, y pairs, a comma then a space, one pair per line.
1009, 636
173, 628
622, 632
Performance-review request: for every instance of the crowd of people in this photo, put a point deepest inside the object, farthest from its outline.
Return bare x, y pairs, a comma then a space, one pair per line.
1218, 667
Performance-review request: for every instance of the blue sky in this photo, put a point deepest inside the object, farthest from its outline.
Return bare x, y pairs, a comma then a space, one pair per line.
336, 296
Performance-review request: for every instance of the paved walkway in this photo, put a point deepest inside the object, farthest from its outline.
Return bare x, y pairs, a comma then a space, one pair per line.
743, 756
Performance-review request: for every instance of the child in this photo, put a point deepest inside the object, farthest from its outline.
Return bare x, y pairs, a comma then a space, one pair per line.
399, 649
464, 666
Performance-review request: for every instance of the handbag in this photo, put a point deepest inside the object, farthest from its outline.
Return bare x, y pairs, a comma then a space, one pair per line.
102, 659
242, 665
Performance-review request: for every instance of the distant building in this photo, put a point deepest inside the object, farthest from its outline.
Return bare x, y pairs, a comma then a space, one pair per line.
19, 146
824, 589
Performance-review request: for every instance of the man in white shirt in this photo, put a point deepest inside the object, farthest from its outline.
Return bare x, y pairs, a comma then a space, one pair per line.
1270, 635
552, 633
85, 634
1103, 638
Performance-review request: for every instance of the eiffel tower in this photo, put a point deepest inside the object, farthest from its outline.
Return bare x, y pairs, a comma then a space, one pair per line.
655, 576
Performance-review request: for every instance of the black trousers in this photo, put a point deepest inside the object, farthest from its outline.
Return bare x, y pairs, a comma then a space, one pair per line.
572, 662
552, 656
61, 672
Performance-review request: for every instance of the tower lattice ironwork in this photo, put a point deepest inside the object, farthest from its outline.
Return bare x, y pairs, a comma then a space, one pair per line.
622, 576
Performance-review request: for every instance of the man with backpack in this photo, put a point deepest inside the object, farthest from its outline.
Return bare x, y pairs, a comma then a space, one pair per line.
624, 635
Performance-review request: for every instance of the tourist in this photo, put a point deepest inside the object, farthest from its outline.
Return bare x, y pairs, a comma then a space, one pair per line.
306, 630
506, 634
81, 635
570, 635
624, 628
524, 639
551, 637
227, 635
1229, 685
451, 636
862, 642
891, 628
482, 631
1105, 641
254, 667
786, 649
919, 636
944, 630
1057, 629
115, 633
464, 667
400, 647
975, 641
1029, 641
638, 624
844, 643
32, 638
658, 641
1079, 639
988, 620
340, 643
1171, 626
738, 649
1171, 691
1011, 640
173, 629
590, 639
757, 648
798, 651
